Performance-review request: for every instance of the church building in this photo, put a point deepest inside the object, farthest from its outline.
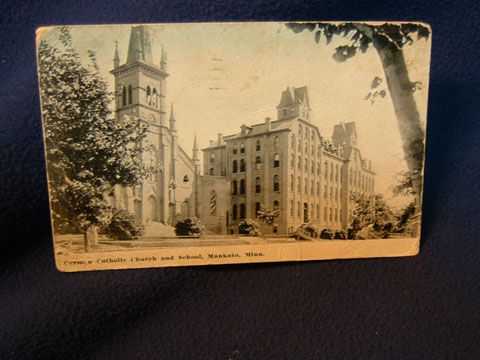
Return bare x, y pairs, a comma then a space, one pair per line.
140, 91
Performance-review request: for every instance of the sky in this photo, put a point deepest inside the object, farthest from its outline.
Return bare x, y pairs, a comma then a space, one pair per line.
227, 74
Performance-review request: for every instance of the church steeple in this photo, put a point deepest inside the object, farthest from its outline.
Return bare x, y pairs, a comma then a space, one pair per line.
173, 121
195, 149
116, 58
139, 48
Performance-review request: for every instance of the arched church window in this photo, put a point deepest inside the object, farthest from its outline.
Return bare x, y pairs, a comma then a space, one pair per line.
149, 96
242, 187
154, 98
293, 141
234, 166
276, 161
242, 165
186, 179
124, 96
234, 211
129, 94
234, 187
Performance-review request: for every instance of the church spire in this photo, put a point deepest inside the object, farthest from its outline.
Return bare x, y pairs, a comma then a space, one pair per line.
163, 60
116, 58
195, 148
173, 126
139, 48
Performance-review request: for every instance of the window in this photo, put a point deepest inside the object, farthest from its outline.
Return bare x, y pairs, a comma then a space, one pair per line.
325, 192
124, 96
299, 145
299, 210
234, 150
319, 149
276, 205
325, 213
129, 94
326, 170
234, 212
318, 212
331, 193
154, 98
306, 148
292, 208
306, 187
307, 133
234, 187
275, 141
242, 187
331, 171
312, 167
336, 173
300, 130
298, 184
276, 183
243, 211
212, 158
293, 142
336, 194
313, 149
242, 165
258, 162
351, 177
258, 186
299, 163
336, 215
186, 179
258, 145
149, 96
212, 171
306, 165
312, 189
292, 161
313, 135
257, 209
318, 168
292, 183
234, 166
242, 149
330, 214
318, 188
276, 160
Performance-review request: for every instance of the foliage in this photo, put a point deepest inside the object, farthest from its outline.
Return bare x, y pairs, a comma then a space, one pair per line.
326, 234
189, 227
360, 36
405, 217
404, 186
372, 213
340, 235
124, 226
269, 216
87, 151
309, 228
249, 227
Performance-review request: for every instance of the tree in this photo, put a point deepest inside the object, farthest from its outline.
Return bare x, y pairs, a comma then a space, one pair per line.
389, 41
248, 227
88, 152
189, 227
372, 217
269, 217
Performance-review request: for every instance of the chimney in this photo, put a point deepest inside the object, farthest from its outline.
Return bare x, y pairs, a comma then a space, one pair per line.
212, 143
268, 124
219, 139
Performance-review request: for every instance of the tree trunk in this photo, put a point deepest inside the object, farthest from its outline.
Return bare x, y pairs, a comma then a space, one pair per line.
90, 237
408, 119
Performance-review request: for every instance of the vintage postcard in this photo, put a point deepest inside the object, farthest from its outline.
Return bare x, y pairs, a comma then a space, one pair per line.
216, 143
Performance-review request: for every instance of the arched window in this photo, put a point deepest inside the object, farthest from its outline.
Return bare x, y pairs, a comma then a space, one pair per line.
276, 205
312, 188
276, 183
234, 211
275, 141
242, 165
336, 172
306, 148
293, 142
212, 171
318, 168
258, 185
234, 166
258, 162
276, 160
299, 164
306, 165
242, 149
307, 133
154, 98
234, 150
299, 184
336, 194
212, 158
292, 208
258, 146
257, 209
129, 94
331, 193
318, 212
312, 167
234, 187
300, 145
325, 213
242, 187
306, 187
243, 211
300, 130
292, 183
124, 96
325, 192
186, 179
331, 171
292, 161
149, 96
318, 188
299, 209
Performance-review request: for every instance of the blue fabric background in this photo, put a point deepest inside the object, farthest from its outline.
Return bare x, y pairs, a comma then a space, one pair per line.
424, 307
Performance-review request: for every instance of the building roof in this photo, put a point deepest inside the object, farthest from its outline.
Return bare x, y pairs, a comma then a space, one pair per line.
298, 96
139, 47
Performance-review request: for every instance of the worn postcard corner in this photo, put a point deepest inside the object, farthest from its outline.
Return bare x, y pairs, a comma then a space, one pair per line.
214, 143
